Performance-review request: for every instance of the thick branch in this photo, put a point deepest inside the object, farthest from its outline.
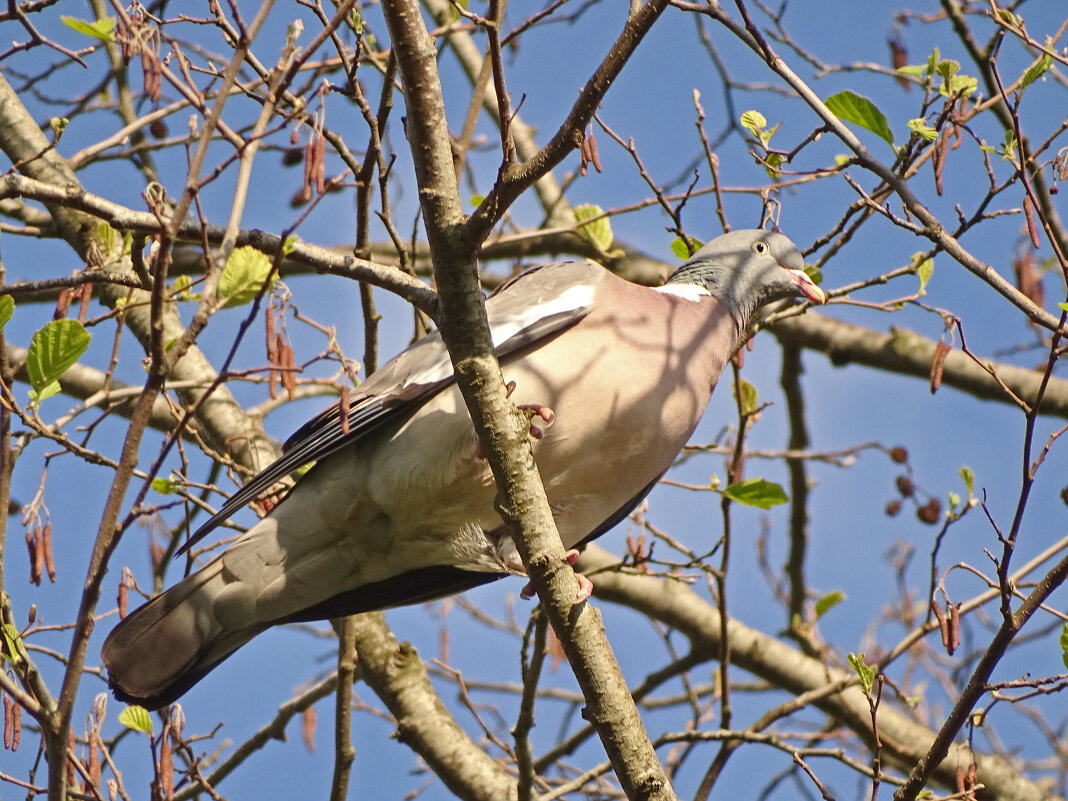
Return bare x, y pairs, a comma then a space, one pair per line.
502, 430
904, 742
907, 353
470, 58
72, 199
398, 676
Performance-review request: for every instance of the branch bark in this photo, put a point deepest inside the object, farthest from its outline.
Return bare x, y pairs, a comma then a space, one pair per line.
398, 676
904, 742
905, 352
502, 430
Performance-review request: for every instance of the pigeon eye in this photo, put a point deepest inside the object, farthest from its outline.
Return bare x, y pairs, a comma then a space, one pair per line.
761, 247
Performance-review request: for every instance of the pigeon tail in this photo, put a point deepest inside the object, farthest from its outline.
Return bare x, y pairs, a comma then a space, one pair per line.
161, 650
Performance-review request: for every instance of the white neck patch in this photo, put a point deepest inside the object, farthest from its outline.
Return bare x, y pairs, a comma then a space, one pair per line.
691, 292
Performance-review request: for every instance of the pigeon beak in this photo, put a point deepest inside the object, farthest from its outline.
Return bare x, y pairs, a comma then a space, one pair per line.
806, 287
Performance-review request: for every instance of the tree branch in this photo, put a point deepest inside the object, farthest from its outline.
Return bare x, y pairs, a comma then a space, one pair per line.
502, 430
904, 742
514, 181
398, 676
905, 352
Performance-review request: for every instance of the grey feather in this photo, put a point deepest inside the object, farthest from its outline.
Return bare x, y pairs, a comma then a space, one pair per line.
400, 508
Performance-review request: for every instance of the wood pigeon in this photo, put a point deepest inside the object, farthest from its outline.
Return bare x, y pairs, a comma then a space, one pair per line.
398, 507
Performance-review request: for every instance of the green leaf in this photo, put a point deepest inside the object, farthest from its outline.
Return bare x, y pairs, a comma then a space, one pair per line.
7, 308
963, 85
12, 644
954, 500
1062, 306
969, 479
52, 350
829, 601
754, 122
243, 276
865, 672
947, 68
814, 274
924, 270
476, 200
756, 492
932, 61
923, 129
1064, 644
107, 236
952, 83
290, 244
181, 286
678, 247
165, 486
599, 232
746, 393
1036, 70
857, 109
916, 70
38, 396
1007, 151
772, 162
136, 718
102, 29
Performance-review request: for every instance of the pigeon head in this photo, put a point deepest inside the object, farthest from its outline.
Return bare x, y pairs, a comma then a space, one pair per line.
748, 269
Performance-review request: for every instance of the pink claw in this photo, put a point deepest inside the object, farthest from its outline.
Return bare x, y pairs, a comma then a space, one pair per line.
585, 589
533, 410
585, 585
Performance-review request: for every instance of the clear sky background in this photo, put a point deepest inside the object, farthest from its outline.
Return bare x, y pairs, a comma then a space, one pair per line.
851, 536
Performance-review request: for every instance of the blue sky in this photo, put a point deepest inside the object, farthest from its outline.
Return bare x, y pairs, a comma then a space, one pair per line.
850, 536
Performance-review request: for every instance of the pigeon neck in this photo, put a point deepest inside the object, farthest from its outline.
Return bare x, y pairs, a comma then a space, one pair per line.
695, 280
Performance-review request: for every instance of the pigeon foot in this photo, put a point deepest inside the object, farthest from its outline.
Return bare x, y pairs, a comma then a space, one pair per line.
531, 410
585, 589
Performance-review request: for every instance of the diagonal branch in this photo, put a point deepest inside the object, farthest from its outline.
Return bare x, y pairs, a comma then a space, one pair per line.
905, 352
502, 430
832, 690
932, 227
518, 178
67, 197
398, 676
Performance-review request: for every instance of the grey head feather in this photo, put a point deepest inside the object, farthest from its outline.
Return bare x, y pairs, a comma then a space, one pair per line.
748, 269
